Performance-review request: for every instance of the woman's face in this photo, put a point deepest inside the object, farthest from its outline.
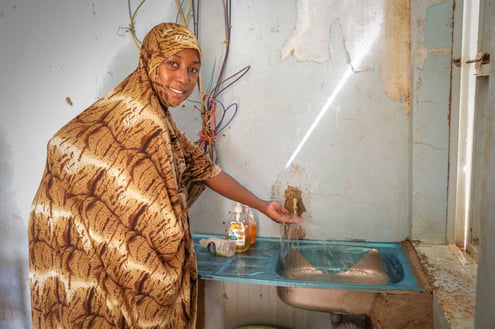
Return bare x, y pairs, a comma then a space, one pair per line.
178, 75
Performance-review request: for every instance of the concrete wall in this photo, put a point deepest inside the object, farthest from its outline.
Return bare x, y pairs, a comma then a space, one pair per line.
376, 164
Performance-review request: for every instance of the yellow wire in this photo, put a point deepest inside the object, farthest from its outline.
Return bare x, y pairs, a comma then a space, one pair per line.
132, 25
181, 12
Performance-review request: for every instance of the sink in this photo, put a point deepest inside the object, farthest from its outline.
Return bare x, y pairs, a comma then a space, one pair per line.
329, 300
354, 271
327, 276
336, 263
374, 279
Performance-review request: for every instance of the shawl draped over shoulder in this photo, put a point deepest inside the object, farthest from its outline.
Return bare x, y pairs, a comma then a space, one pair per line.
109, 238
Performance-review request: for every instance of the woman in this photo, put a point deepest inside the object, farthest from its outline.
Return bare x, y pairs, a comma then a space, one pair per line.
109, 238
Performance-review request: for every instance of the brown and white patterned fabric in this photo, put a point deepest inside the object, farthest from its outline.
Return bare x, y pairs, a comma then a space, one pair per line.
109, 238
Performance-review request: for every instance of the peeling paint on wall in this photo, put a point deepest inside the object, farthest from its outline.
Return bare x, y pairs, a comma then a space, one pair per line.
422, 53
310, 40
379, 31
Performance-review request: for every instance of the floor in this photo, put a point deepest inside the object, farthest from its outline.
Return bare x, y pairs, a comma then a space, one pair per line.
452, 273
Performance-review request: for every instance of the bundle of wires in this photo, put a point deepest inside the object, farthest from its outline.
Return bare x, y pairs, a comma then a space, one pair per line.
215, 116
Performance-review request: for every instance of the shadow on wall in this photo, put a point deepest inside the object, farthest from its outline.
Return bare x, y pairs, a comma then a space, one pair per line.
14, 288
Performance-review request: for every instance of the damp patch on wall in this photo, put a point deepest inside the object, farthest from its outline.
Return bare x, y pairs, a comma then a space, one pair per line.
377, 32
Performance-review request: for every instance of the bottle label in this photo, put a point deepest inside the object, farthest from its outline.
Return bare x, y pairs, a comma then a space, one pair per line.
237, 233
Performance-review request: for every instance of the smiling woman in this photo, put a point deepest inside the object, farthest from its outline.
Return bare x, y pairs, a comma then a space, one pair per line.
109, 239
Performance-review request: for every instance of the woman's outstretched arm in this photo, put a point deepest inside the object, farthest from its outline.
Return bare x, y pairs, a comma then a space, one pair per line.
229, 187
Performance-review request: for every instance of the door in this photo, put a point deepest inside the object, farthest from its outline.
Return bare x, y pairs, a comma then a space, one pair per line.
473, 92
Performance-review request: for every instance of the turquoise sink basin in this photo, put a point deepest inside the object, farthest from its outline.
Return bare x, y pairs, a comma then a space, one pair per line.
339, 264
343, 277
348, 265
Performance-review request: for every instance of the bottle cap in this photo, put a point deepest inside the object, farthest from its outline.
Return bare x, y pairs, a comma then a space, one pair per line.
238, 208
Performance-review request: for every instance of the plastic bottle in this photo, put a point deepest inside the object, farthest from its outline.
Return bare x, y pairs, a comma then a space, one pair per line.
216, 246
251, 223
238, 230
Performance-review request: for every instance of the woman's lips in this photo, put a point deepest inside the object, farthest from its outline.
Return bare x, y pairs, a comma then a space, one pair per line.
177, 91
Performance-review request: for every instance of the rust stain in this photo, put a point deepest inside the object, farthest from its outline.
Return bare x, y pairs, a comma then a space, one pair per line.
396, 59
293, 201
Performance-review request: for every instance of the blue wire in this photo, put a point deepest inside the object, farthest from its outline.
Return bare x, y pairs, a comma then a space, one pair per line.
221, 128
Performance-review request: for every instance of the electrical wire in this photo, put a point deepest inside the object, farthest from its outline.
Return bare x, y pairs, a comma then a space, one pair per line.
132, 22
236, 76
195, 15
210, 105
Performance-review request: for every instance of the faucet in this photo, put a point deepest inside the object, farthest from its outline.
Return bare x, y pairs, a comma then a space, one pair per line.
295, 205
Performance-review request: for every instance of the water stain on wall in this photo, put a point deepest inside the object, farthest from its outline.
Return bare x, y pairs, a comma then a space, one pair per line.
374, 32
396, 59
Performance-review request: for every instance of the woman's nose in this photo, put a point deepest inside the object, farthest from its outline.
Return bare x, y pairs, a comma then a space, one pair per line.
182, 75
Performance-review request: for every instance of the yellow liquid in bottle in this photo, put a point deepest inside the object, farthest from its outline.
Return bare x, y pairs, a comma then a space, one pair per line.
252, 233
239, 232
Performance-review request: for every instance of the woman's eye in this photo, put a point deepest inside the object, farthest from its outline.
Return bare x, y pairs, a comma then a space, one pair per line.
172, 63
193, 70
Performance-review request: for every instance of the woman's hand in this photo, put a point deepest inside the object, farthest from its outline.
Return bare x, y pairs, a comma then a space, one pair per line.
279, 214
227, 186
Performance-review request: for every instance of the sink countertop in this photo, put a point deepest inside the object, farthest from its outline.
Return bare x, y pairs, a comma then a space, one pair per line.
260, 263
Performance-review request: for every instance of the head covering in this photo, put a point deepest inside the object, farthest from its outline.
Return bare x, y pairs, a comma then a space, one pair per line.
109, 238
161, 42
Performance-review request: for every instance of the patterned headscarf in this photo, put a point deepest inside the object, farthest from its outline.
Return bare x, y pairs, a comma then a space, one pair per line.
161, 42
